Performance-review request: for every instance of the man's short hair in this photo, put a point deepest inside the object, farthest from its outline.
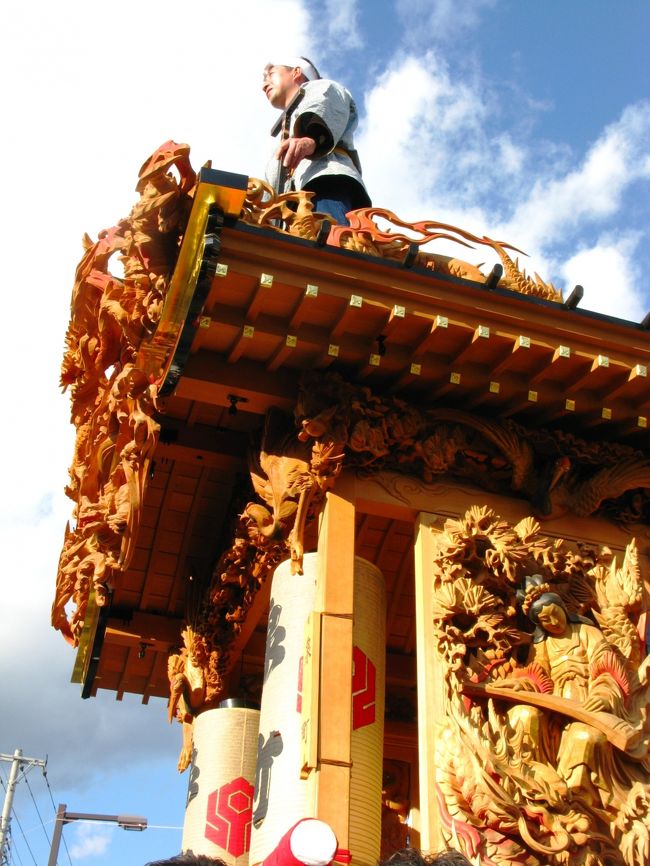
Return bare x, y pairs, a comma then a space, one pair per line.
188, 859
414, 857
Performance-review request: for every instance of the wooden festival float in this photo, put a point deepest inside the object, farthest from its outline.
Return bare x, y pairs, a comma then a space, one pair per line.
377, 524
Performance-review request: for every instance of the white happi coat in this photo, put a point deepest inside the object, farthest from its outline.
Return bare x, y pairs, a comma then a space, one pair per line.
331, 108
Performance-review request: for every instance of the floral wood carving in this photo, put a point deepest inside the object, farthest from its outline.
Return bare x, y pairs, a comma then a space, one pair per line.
554, 472
543, 742
112, 401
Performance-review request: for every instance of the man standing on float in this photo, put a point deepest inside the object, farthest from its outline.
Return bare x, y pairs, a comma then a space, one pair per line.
316, 151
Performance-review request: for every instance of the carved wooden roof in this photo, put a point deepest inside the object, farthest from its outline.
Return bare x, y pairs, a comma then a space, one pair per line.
278, 306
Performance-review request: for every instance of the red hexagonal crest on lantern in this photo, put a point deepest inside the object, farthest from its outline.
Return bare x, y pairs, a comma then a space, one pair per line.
364, 689
230, 815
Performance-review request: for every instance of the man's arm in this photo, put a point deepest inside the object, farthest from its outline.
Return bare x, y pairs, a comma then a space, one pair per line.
319, 121
311, 126
315, 142
323, 114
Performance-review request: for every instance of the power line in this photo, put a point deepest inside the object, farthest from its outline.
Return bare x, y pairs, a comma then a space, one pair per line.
29, 788
22, 833
18, 762
47, 783
12, 850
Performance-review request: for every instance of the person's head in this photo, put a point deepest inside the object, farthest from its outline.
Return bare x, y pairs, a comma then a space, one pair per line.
549, 613
414, 857
281, 81
188, 859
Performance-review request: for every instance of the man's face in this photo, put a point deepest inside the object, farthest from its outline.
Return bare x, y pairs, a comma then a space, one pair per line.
280, 85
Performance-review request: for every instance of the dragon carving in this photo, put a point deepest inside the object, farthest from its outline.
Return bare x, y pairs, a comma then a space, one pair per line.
293, 213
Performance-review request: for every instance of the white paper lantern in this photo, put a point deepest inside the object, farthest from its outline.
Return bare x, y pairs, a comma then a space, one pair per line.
219, 811
281, 796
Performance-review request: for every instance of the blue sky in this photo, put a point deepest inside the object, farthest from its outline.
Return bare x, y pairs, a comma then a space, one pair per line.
528, 121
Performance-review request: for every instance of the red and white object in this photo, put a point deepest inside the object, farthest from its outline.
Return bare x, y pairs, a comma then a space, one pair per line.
310, 842
219, 810
282, 797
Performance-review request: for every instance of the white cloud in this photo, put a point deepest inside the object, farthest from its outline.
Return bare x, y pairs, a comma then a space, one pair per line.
609, 277
342, 19
416, 117
440, 20
90, 840
439, 158
558, 207
511, 155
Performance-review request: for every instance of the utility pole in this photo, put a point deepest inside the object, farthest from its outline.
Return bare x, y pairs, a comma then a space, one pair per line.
126, 822
17, 760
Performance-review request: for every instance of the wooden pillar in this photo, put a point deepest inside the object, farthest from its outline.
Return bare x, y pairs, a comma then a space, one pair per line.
335, 603
430, 684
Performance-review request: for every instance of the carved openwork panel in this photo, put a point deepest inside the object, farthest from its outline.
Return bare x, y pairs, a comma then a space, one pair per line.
542, 743
112, 398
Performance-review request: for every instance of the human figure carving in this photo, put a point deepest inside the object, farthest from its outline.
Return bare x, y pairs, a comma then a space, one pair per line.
582, 667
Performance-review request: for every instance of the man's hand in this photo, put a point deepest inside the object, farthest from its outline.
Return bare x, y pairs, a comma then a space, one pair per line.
294, 150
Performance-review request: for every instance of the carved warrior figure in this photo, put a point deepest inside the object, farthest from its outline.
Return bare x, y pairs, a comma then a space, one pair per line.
187, 688
544, 760
572, 659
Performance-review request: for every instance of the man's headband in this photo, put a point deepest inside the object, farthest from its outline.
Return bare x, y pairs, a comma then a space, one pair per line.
308, 69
